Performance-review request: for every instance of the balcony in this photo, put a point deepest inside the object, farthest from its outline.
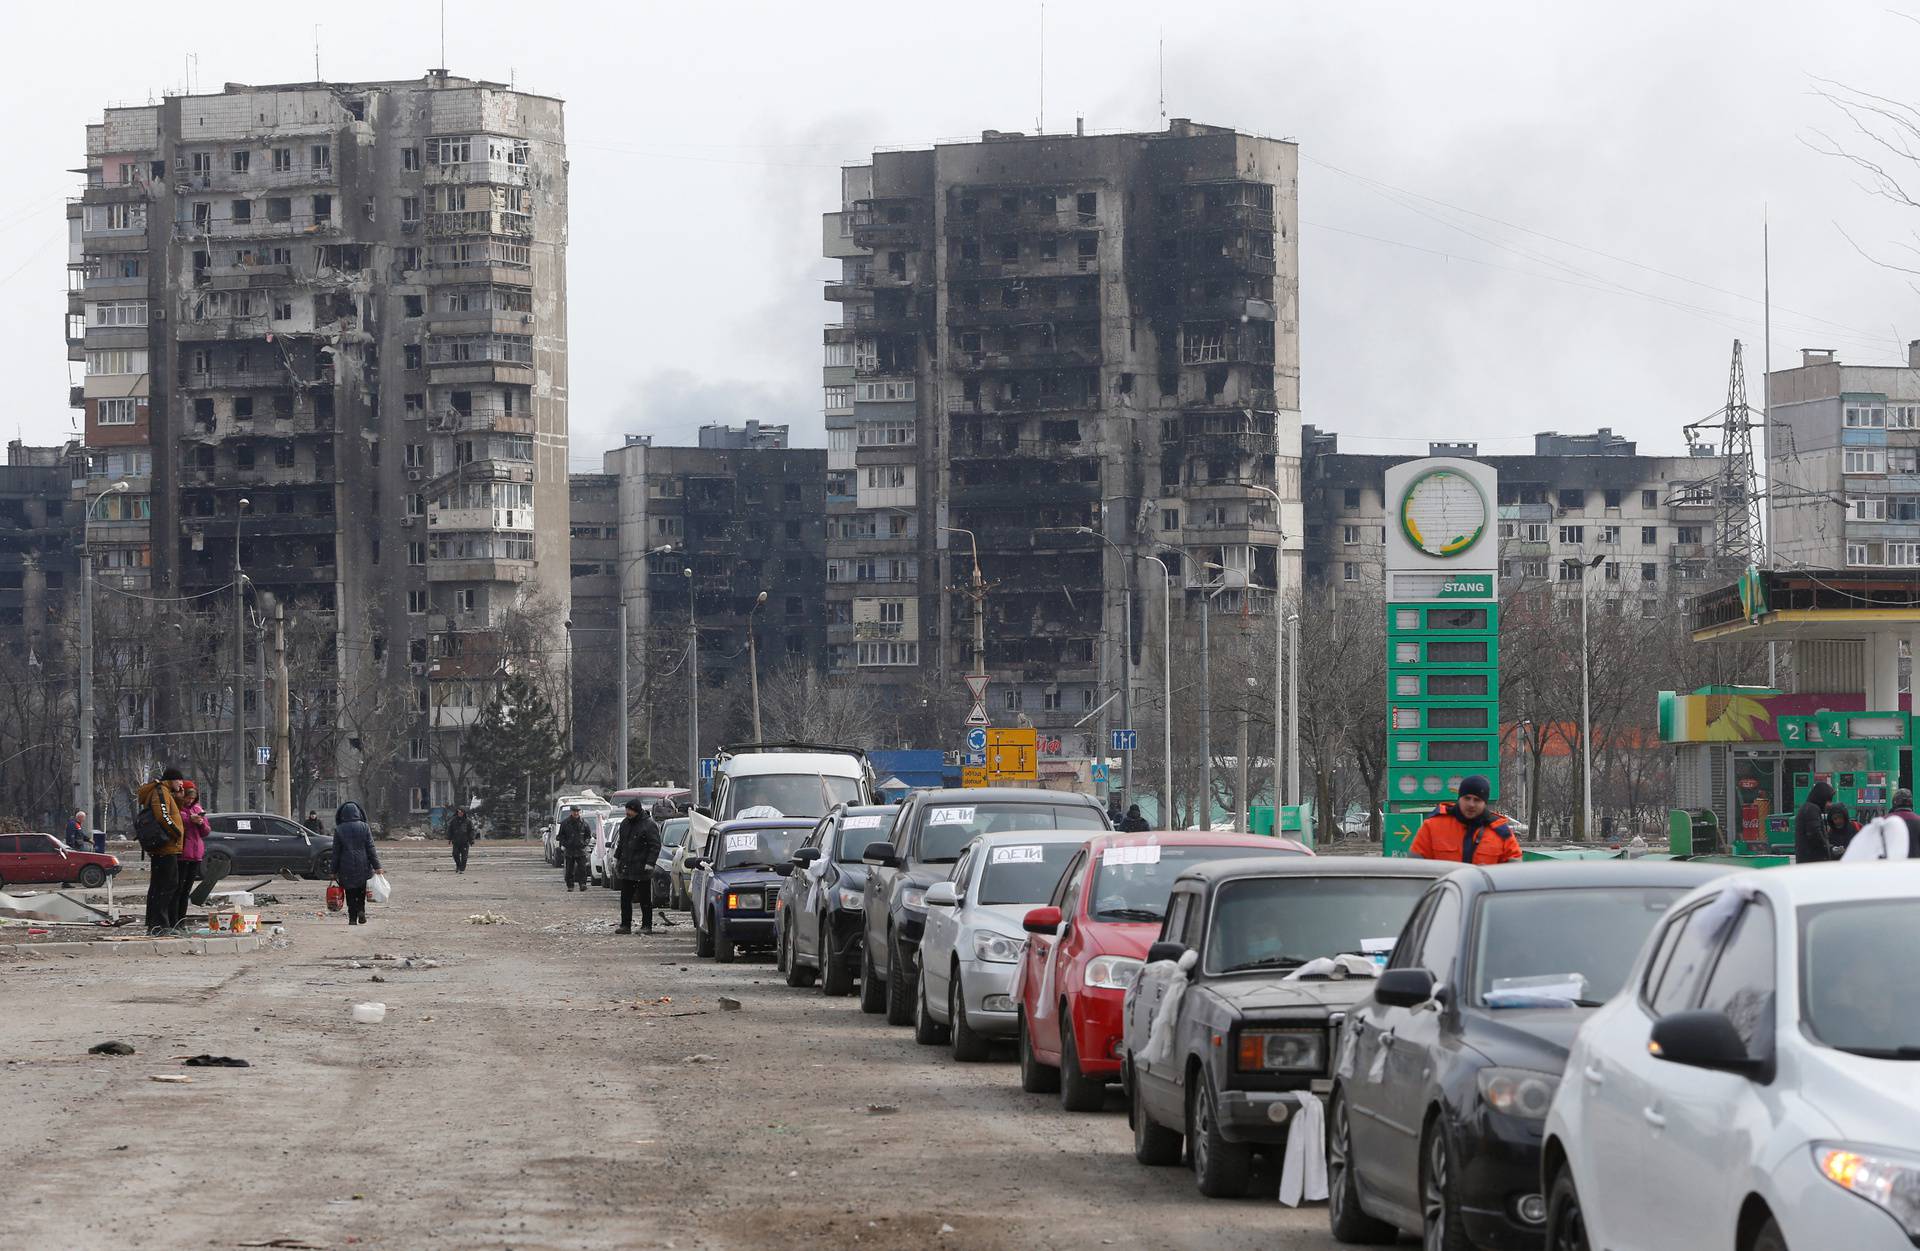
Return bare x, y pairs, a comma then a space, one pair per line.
469, 173
298, 226
239, 379
456, 373
840, 290
1033, 359
203, 329
480, 570
479, 222
1226, 217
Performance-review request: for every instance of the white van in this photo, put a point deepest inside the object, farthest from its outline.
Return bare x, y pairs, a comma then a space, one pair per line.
782, 780
589, 804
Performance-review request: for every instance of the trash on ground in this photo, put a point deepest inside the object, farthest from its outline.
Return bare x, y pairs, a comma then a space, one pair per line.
369, 1013
701, 1058
881, 1109
170, 1079
53, 905
728, 1004
376, 978
113, 1048
204, 1061
487, 918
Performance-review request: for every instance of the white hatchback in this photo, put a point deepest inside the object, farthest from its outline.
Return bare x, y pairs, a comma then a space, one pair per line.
1756, 1085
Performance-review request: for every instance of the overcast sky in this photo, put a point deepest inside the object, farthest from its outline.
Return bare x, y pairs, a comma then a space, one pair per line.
1516, 217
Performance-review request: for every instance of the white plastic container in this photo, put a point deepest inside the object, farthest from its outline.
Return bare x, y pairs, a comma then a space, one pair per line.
369, 1013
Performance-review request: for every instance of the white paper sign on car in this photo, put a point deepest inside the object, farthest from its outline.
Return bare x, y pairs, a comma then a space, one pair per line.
861, 823
742, 842
1026, 853
1149, 854
243, 825
950, 816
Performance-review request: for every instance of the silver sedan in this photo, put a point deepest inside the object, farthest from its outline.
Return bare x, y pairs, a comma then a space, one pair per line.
971, 948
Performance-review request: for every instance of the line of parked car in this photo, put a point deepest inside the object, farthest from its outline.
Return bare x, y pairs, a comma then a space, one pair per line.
1740, 1049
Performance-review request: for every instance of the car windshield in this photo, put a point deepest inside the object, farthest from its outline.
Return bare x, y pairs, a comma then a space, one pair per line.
1850, 998
1561, 948
1133, 882
1023, 873
789, 794
857, 829
950, 827
1283, 922
763, 847
674, 832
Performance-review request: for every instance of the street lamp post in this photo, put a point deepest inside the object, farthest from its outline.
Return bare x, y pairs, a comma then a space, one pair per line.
1279, 655
753, 664
1293, 714
239, 800
693, 687
1586, 708
979, 597
1166, 693
1126, 663
83, 782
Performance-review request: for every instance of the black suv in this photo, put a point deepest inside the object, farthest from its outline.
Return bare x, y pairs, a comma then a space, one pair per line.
928, 837
260, 842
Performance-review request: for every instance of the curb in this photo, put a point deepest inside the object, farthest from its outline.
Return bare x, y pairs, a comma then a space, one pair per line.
234, 945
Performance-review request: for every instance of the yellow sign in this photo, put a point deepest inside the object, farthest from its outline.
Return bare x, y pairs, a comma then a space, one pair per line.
1012, 736
973, 777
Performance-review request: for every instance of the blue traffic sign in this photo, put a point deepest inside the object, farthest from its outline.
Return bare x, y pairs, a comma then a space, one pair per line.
707, 764
1100, 774
977, 739
1126, 740
974, 760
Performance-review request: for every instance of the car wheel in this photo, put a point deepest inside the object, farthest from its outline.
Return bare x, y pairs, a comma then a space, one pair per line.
873, 991
702, 941
322, 867
722, 945
967, 1045
1566, 1223
1770, 1238
93, 877
836, 979
1036, 1077
797, 975
900, 984
1078, 1092
1153, 1143
1347, 1221
1221, 1169
926, 1031
1440, 1225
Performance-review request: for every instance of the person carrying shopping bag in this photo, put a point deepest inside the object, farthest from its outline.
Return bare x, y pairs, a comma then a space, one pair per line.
354, 859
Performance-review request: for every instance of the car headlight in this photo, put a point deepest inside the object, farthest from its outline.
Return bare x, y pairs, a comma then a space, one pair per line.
1888, 1181
851, 898
913, 897
1281, 1050
1518, 1092
1112, 972
748, 901
997, 948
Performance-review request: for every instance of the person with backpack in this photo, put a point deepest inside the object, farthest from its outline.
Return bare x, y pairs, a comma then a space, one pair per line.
162, 835
1466, 830
354, 859
635, 857
460, 835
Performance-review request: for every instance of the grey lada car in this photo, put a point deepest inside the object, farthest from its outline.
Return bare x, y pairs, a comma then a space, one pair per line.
1246, 1032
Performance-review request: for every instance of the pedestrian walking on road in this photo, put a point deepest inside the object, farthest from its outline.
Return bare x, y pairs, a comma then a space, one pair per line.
1841, 827
157, 822
1466, 830
573, 838
77, 832
460, 835
634, 858
354, 859
314, 823
1133, 822
193, 847
1810, 826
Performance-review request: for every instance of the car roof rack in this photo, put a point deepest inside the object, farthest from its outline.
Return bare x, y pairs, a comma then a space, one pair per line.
737, 749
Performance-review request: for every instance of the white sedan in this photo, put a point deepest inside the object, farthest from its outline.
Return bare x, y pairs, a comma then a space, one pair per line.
1756, 1085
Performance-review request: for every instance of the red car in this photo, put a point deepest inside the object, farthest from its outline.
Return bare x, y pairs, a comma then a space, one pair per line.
43, 858
1085, 948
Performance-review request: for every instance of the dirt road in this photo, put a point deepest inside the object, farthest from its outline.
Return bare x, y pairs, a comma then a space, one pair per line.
516, 1097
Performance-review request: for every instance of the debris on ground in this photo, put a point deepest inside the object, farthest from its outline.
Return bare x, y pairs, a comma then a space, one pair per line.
53, 905
114, 1048
205, 1061
487, 918
728, 1004
170, 1079
701, 1058
376, 978
881, 1109
369, 1013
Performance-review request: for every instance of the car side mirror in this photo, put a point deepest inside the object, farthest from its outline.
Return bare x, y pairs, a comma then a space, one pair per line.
942, 895
1702, 1039
1167, 950
881, 855
785, 868
692, 862
806, 855
1042, 921
1403, 988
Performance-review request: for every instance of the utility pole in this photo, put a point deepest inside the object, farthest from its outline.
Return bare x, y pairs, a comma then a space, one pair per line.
978, 594
1279, 648
83, 773
1166, 693
239, 798
1206, 718
753, 664
1245, 824
625, 750
1293, 713
1586, 709
693, 689
260, 668
282, 735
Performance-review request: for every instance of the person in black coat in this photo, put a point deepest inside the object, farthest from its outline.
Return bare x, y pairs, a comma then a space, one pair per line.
1841, 827
354, 859
460, 834
574, 839
1133, 822
634, 859
1810, 826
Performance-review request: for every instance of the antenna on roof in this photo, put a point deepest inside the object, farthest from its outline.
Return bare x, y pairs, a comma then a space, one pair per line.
443, 34
1163, 76
1041, 127
316, 52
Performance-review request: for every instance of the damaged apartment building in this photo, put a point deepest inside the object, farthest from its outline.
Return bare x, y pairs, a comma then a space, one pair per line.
325, 323
1040, 335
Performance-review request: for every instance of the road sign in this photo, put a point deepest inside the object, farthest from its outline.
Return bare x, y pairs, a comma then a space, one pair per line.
976, 739
976, 686
973, 777
977, 717
266, 755
1100, 774
1126, 740
707, 765
1012, 754
974, 760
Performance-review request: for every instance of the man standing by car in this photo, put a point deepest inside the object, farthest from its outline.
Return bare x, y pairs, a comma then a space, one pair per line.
157, 825
1810, 843
573, 838
634, 857
1133, 822
460, 835
1466, 830
314, 823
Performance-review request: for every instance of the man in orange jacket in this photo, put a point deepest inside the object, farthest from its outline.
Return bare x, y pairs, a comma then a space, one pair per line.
1466, 830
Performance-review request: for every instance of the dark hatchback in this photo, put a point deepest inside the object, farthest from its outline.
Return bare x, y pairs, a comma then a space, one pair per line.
734, 883
1444, 1076
820, 905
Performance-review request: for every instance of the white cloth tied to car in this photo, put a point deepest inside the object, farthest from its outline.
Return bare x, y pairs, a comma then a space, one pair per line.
1303, 1169
816, 874
1884, 838
1159, 1048
1336, 967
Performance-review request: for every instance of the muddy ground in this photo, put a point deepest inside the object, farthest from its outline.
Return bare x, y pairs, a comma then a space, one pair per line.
529, 1089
